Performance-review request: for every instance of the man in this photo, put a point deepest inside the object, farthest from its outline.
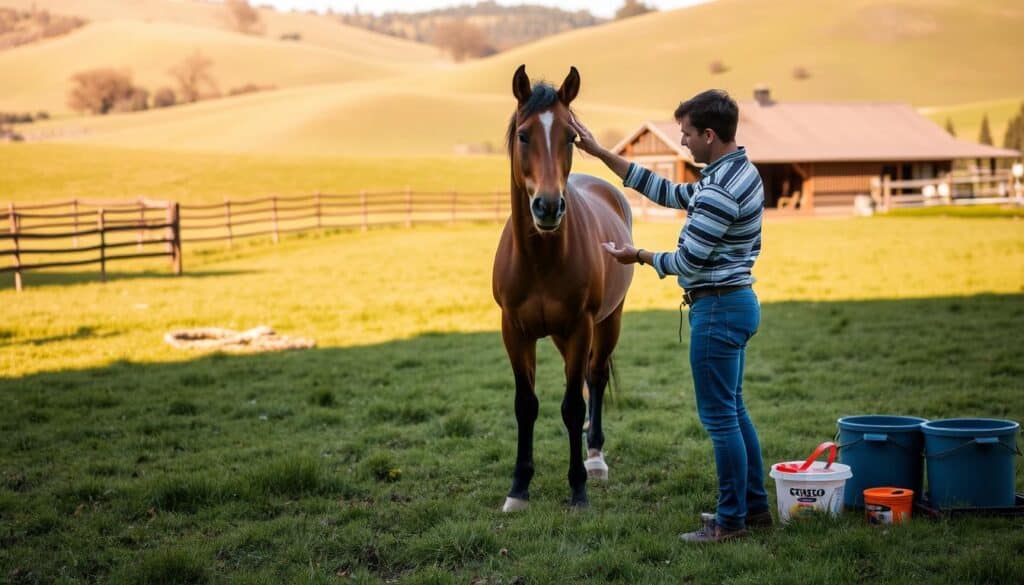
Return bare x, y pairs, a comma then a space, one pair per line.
717, 248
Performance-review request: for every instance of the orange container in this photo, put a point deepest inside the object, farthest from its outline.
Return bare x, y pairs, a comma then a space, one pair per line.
887, 505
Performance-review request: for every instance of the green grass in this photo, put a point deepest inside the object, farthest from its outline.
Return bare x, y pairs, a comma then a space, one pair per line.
385, 453
975, 211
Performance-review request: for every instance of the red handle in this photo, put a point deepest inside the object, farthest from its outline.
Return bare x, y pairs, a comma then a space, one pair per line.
791, 468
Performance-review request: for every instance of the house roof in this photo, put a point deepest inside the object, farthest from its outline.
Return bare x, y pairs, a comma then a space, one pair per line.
828, 132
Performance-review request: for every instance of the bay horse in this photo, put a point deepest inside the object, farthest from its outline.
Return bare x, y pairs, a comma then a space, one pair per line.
552, 278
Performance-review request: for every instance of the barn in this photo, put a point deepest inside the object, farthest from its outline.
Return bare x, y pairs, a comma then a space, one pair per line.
818, 156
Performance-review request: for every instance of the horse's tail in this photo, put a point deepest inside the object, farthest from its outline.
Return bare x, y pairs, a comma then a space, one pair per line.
613, 379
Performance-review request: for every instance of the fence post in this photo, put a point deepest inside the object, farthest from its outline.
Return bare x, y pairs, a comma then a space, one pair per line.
362, 200
141, 234
103, 245
176, 237
453, 207
227, 218
273, 212
319, 212
17, 252
74, 210
886, 193
408, 207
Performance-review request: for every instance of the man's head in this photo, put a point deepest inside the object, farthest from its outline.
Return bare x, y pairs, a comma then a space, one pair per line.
706, 119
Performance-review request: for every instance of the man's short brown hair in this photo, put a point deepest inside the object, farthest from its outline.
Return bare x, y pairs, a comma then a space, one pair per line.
711, 109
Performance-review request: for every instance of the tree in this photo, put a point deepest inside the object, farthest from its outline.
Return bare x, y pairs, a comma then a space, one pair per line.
632, 8
244, 18
192, 74
98, 91
1014, 137
949, 127
462, 39
985, 136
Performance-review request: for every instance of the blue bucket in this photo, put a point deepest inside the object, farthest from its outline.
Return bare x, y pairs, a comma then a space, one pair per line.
971, 462
882, 451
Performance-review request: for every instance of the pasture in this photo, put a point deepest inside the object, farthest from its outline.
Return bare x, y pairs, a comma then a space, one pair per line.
385, 453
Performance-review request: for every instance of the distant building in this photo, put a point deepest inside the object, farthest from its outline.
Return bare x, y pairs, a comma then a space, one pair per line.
819, 155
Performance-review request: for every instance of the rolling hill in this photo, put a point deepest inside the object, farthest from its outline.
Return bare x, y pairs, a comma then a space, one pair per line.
364, 119
37, 76
924, 52
928, 53
314, 29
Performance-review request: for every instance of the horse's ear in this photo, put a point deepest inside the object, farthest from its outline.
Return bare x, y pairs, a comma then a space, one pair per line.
570, 87
521, 85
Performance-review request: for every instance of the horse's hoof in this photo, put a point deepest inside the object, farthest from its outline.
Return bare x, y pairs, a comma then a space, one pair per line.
580, 506
515, 504
596, 467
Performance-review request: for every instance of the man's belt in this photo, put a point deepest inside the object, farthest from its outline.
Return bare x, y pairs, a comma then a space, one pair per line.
694, 294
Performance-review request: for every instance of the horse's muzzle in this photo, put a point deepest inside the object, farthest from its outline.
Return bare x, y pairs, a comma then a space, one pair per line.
547, 211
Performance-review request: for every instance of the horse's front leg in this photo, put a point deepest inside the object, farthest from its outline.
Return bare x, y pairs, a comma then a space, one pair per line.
522, 354
606, 336
575, 351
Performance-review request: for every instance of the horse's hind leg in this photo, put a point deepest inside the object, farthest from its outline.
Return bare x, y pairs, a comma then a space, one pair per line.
606, 336
522, 354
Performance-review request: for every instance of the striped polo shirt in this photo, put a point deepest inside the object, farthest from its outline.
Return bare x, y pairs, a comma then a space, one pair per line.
721, 238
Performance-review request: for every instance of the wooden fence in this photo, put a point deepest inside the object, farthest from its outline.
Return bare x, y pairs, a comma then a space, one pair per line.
83, 232
998, 187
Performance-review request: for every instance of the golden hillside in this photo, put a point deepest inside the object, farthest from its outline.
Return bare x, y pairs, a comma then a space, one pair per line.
925, 52
315, 29
364, 119
37, 76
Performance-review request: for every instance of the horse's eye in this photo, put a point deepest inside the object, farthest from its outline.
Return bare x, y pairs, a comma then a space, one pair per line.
524, 138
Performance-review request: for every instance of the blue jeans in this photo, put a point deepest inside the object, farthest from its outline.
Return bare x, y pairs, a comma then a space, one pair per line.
720, 327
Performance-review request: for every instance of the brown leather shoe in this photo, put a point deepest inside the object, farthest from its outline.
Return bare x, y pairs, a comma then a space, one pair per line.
711, 532
760, 520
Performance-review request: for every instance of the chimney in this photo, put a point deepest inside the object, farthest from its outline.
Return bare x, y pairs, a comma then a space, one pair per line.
763, 95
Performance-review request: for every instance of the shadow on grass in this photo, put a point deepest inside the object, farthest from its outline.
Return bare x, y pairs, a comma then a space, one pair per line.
33, 280
79, 334
389, 461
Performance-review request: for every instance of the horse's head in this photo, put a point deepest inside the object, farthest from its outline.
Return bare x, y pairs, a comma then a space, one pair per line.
540, 143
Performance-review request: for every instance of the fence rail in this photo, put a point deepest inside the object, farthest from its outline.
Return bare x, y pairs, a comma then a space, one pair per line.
82, 231
951, 189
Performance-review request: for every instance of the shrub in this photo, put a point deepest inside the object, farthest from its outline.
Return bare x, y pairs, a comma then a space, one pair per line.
164, 98
717, 66
250, 88
98, 91
800, 72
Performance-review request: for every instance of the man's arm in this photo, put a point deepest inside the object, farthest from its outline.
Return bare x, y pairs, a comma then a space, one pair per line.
658, 189
714, 212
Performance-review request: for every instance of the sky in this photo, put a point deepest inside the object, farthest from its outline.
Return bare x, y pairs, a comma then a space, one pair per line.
601, 8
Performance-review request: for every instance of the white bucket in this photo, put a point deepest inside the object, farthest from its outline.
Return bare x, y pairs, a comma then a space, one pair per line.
815, 491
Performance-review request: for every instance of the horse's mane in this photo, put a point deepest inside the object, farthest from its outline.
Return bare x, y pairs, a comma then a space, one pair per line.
543, 96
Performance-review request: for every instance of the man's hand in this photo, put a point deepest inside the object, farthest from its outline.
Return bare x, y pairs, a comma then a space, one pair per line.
627, 254
586, 142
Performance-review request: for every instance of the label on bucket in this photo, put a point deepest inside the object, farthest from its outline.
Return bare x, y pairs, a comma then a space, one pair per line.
802, 501
878, 514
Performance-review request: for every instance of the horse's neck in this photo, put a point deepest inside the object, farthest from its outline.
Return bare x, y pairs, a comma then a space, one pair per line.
542, 250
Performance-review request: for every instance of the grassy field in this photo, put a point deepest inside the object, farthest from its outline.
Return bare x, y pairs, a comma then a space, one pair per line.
385, 453
51, 172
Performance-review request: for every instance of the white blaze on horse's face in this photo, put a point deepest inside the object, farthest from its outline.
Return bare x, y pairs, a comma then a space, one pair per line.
547, 119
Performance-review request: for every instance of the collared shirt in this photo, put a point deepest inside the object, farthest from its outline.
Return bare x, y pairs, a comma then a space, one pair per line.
721, 238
